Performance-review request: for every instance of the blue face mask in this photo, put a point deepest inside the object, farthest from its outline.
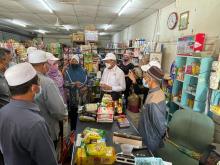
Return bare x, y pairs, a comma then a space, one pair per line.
144, 83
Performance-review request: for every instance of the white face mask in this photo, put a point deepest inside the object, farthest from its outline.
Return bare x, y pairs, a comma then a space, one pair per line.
144, 83
107, 65
11, 64
37, 95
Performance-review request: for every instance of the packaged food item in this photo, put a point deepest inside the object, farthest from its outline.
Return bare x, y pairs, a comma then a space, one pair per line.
91, 136
107, 101
105, 114
92, 108
89, 130
123, 122
81, 157
87, 118
97, 149
110, 156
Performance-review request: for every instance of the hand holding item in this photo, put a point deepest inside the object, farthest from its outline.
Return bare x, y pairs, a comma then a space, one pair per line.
78, 84
132, 77
105, 87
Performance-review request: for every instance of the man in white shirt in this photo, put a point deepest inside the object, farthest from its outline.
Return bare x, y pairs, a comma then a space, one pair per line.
113, 78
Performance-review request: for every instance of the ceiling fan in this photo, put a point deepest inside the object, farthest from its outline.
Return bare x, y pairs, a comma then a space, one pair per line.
57, 26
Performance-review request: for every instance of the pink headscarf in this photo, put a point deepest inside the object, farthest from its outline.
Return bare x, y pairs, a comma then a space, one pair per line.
55, 74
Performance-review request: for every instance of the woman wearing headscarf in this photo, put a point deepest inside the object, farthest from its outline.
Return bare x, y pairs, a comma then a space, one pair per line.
55, 74
75, 81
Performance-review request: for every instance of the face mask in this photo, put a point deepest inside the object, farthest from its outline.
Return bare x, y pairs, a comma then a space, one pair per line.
11, 64
74, 65
107, 65
37, 95
144, 83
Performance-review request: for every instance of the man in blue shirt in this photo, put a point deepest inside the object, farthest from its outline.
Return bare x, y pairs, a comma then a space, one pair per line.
24, 138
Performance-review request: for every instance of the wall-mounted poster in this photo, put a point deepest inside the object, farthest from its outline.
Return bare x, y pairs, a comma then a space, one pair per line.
184, 20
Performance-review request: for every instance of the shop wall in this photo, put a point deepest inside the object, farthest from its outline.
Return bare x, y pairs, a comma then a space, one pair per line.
6, 35
203, 17
65, 39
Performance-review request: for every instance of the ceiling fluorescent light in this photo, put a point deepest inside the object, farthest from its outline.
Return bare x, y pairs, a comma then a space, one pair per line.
102, 33
128, 3
16, 22
67, 27
46, 6
41, 31
107, 27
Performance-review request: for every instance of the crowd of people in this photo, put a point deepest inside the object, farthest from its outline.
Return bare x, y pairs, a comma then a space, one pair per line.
37, 96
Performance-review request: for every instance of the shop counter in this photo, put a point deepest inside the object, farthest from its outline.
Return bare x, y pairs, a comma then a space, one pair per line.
109, 128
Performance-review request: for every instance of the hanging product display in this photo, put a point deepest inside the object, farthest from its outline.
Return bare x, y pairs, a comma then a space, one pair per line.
188, 44
55, 49
91, 62
18, 50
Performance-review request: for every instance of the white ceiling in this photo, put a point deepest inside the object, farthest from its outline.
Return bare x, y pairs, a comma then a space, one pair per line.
78, 14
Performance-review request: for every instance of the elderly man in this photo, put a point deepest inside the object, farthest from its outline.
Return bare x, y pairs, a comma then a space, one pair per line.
24, 138
49, 99
152, 124
113, 78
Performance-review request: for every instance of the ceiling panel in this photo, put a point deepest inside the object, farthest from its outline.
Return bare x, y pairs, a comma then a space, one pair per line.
98, 12
85, 10
107, 12
50, 18
121, 20
33, 6
113, 3
147, 12
131, 12
63, 9
12, 5
161, 3
102, 20
143, 3
89, 2
68, 19
86, 20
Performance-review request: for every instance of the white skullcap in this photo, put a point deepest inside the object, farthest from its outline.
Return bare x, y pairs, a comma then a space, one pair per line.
75, 57
110, 56
51, 57
37, 57
20, 74
145, 68
31, 49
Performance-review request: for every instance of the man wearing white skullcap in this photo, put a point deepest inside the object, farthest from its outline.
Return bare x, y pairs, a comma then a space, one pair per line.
5, 58
30, 50
113, 78
49, 100
24, 137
